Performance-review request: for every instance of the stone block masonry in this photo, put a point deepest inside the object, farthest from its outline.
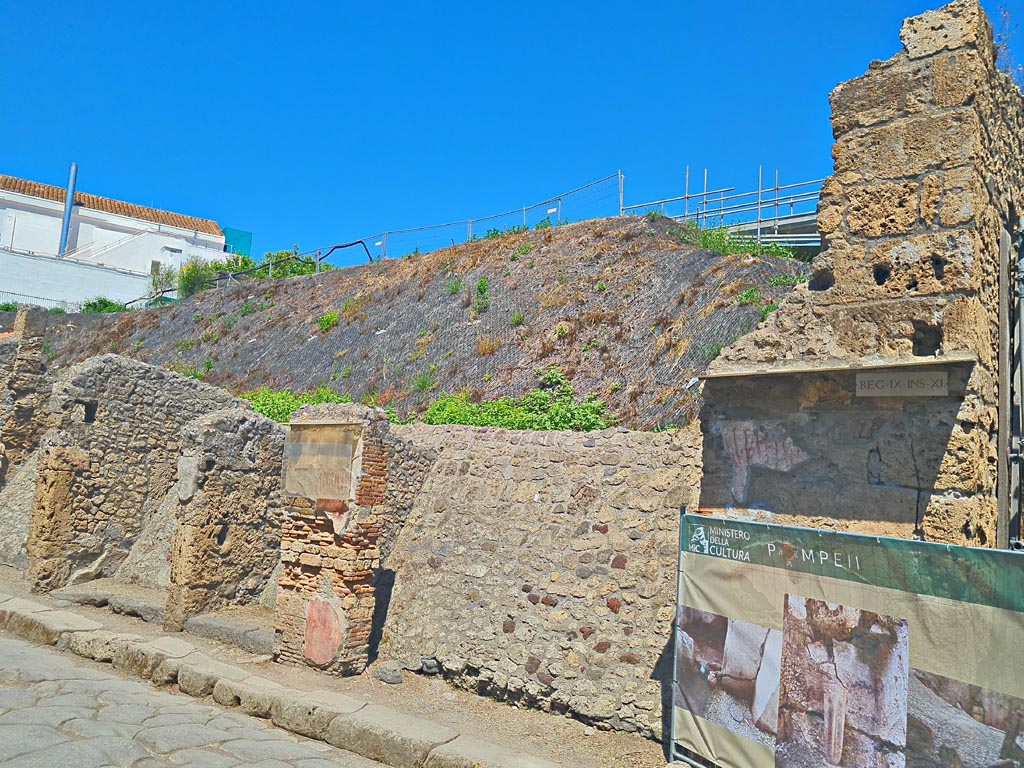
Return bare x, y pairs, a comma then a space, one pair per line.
929, 176
540, 567
227, 536
107, 462
23, 390
334, 548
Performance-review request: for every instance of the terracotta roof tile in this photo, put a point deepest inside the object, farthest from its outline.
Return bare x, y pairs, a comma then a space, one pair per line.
141, 212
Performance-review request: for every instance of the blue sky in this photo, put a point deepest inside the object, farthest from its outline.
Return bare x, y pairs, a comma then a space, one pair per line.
312, 123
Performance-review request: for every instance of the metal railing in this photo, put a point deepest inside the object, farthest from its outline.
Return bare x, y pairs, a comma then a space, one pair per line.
764, 213
599, 198
22, 298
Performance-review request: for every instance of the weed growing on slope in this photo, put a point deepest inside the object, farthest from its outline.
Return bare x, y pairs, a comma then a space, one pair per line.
487, 345
328, 321
8, 306
426, 380
749, 296
767, 309
455, 285
483, 299
788, 280
516, 318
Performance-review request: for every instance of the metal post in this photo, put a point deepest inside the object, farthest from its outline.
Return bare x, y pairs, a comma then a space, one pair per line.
384, 246
69, 202
686, 195
317, 261
776, 201
622, 190
760, 183
559, 214
469, 231
524, 216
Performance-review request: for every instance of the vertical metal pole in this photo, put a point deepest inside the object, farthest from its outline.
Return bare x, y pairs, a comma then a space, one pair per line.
776, 201
524, 216
1007, 440
69, 202
704, 199
760, 183
384, 246
686, 195
559, 214
622, 190
318, 261
469, 231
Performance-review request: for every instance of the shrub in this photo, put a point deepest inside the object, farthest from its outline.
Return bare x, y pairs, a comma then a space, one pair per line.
194, 275
721, 240
483, 299
102, 305
767, 309
654, 215
328, 321
552, 406
8, 306
544, 223
57, 311
523, 249
246, 309
487, 345
602, 287
516, 318
455, 285
280, 404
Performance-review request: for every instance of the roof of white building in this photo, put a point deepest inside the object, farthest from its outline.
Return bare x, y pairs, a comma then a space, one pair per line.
105, 204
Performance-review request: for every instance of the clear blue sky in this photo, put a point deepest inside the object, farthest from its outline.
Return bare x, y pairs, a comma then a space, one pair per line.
319, 122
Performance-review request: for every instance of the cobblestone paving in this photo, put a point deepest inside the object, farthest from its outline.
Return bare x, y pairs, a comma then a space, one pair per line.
54, 713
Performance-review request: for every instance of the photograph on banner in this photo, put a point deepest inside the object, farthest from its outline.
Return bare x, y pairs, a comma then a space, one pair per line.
800, 648
727, 672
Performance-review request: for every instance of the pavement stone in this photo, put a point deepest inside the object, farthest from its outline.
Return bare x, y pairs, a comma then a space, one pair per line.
387, 736
94, 718
468, 752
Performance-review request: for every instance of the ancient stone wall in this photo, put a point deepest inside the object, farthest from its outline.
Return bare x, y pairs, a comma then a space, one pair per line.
227, 537
333, 548
24, 392
107, 463
929, 170
540, 567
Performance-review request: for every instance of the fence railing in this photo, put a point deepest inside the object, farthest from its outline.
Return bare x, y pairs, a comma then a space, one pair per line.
766, 213
597, 199
22, 298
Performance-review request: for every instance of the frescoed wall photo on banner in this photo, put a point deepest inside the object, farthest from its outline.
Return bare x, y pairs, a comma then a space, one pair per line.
801, 648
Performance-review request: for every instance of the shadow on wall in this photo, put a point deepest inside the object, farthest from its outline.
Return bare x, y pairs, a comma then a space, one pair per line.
804, 445
384, 585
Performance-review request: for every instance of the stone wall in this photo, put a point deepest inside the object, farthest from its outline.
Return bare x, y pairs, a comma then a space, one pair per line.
929, 170
333, 548
540, 567
227, 537
25, 389
107, 463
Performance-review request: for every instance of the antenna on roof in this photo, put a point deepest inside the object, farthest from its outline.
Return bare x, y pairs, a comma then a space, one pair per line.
69, 201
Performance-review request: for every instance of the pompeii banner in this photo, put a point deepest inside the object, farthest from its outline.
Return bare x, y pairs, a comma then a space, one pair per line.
801, 648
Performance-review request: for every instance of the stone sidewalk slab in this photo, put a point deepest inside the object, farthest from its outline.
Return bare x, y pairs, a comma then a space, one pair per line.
390, 737
468, 752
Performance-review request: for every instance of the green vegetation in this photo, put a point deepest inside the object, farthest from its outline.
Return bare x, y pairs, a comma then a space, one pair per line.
522, 250
246, 309
8, 306
788, 280
426, 380
195, 274
184, 345
189, 371
516, 318
544, 223
655, 215
552, 406
721, 240
749, 296
455, 286
601, 287
483, 299
48, 351
280, 404
57, 311
102, 305
208, 365
493, 234
767, 309
328, 321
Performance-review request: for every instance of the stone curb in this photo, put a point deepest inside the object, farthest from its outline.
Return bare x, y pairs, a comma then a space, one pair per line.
371, 730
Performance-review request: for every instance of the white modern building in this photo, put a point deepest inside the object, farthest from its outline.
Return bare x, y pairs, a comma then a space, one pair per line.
113, 248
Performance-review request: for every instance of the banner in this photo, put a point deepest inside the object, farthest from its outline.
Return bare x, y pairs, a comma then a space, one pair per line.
801, 648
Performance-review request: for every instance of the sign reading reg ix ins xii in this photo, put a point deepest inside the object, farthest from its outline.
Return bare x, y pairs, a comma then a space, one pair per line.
903, 384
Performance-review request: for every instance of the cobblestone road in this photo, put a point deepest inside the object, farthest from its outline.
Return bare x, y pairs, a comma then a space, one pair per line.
56, 713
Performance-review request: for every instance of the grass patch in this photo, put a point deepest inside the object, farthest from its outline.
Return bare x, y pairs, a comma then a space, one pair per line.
455, 285
788, 280
328, 321
748, 297
487, 345
101, 305
8, 306
426, 381
516, 318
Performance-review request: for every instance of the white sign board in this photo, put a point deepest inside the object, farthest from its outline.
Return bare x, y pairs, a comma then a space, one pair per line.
903, 384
